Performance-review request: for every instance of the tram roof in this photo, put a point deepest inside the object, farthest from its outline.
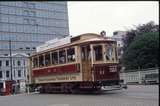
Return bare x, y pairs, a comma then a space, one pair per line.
80, 39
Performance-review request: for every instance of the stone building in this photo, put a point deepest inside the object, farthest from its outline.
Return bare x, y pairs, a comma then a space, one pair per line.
19, 71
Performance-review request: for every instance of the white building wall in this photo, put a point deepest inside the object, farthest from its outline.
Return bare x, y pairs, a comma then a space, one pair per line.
118, 36
15, 67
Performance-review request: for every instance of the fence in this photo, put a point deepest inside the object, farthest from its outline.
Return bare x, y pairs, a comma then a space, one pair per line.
139, 76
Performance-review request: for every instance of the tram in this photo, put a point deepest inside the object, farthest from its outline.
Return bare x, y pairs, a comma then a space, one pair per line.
87, 62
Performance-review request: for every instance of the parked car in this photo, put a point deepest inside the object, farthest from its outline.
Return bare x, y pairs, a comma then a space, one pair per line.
151, 78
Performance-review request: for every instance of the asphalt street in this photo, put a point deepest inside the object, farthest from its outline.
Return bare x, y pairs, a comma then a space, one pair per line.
135, 95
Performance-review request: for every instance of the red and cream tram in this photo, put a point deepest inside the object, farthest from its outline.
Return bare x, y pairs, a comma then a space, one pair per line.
87, 62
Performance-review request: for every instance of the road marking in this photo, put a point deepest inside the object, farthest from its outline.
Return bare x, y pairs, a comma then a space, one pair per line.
59, 105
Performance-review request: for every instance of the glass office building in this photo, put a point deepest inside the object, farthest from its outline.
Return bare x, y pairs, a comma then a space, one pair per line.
29, 24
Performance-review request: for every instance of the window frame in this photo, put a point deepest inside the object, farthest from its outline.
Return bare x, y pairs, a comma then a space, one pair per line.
1, 74
0, 63
7, 74
7, 62
18, 63
19, 73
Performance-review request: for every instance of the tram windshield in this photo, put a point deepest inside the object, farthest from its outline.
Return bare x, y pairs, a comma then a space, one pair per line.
98, 53
109, 52
104, 52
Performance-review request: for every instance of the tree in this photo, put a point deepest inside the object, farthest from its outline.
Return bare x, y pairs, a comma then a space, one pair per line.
139, 30
142, 52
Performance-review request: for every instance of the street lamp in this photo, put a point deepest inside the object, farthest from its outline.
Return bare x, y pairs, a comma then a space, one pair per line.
10, 51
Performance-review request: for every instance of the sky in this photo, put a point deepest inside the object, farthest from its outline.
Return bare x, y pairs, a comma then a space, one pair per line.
95, 16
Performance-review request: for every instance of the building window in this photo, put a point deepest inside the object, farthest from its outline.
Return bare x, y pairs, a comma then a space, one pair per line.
29, 21
5, 54
26, 12
7, 62
19, 73
18, 63
29, 13
29, 5
7, 74
27, 48
0, 63
1, 76
25, 21
32, 22
115, 33
32, 13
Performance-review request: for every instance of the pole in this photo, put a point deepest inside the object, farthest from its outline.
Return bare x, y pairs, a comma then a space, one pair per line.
10, 51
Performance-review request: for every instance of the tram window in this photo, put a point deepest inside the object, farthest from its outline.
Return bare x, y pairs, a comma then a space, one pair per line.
62, 57
41, 61
47, 59
98, 52
35, 62
71, 55
54, 58
86, 53
109, 52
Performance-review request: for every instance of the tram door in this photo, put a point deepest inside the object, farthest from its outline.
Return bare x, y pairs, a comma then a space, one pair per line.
86, 62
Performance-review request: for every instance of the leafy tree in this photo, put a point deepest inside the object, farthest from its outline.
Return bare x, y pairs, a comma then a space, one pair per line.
139, 30
142, 52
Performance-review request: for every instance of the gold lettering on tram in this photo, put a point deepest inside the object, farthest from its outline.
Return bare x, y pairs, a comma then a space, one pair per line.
58, 78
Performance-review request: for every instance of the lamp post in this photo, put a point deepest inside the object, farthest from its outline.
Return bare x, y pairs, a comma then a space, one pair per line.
10, 51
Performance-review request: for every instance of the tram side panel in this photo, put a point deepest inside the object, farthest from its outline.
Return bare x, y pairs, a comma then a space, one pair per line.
67, 73
51, 80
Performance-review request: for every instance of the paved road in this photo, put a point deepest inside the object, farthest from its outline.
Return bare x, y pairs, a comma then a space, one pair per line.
134, 96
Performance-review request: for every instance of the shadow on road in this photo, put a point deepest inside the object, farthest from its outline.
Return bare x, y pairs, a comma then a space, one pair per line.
85, 93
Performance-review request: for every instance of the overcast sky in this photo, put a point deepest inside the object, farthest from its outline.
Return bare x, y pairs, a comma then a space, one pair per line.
110, 16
